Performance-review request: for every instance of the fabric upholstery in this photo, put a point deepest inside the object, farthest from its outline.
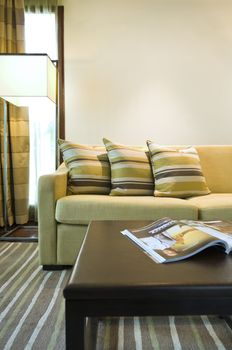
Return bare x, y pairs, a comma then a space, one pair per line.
89, 168
63, 219
41, 6
50, 188
16, 145
214, 206
216, 162
131, 173
69, 240
177, 172
12, 26
81, 209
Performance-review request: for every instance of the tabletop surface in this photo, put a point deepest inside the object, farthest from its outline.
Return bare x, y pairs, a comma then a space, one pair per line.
110, 265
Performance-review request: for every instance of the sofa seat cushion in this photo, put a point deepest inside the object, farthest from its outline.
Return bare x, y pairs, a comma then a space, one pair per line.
81, 209
214, 206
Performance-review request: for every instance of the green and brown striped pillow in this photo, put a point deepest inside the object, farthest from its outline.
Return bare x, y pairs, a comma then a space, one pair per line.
131, 173
89, 168
177, 172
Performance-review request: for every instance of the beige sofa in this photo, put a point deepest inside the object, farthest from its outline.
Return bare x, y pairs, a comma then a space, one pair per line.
63, 219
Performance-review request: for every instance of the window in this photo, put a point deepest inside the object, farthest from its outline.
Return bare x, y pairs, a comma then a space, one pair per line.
40, 37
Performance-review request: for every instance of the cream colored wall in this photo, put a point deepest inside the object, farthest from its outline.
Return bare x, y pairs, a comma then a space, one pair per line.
148, 69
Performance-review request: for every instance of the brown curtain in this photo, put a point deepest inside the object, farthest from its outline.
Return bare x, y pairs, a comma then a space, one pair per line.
41, 6
15, 191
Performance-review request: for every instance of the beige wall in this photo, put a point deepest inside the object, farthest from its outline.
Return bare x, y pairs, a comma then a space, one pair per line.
149, 69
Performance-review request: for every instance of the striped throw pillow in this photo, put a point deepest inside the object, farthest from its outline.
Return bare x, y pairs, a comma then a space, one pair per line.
131, 173
177, 172
89, 168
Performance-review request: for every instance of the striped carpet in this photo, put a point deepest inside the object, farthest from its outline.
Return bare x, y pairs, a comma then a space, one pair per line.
32, 314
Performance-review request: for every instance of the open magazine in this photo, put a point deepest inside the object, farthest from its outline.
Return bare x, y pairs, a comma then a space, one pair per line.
168, 240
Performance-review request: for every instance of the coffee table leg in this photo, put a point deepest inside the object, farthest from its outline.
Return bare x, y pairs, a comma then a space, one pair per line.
74, 328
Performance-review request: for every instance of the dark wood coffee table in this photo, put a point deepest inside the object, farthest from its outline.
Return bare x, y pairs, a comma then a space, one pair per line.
113, 277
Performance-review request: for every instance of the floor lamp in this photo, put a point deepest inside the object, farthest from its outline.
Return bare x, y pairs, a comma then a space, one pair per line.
25, 80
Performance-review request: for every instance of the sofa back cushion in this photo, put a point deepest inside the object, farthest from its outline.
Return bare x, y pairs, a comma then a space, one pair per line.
216, 162
131, 173
177, 172
89, 168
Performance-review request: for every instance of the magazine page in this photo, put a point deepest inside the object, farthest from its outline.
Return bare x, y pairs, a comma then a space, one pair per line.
219, 229
168, 240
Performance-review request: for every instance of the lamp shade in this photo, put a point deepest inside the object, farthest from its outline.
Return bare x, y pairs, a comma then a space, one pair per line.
27, 78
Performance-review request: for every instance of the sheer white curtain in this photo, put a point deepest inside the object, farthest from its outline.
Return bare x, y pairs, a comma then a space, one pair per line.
40, 37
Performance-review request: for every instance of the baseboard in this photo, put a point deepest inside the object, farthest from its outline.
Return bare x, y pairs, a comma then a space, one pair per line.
18, 239
56, 267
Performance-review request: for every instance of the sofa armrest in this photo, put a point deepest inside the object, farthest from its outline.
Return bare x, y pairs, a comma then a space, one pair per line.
50, 188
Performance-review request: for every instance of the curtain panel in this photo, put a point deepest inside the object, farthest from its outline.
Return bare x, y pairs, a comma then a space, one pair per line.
41, 36
40, 6
14, 142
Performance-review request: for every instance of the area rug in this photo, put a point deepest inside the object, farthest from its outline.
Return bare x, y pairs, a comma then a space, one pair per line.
32, 314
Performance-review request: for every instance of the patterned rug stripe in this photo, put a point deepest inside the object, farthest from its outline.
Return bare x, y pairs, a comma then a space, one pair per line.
57, 327
129, 340
18, 294
39, 311
16, 251
12, 319
4, 249
28, 310
113, 341
26, 263
137, 334
121, 333
185, 332
152, 333
17, 288
107, 334
223, 331
197, 338
44, 335
4, 245
174, 334
145, 335
20, 309
212, 333
15, 256
163, 332
205, 336
15, 285
32, 313
100, 338
19, 280
43, 319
